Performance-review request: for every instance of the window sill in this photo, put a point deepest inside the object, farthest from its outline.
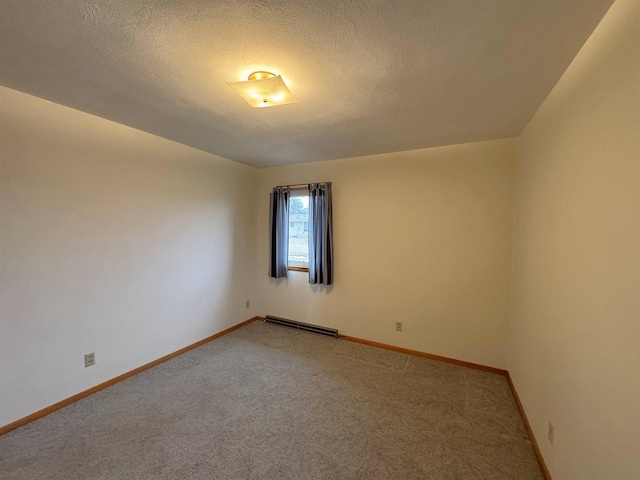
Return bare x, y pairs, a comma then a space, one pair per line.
298, 269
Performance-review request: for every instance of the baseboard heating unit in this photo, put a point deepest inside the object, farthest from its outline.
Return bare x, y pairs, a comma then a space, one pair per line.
307, 327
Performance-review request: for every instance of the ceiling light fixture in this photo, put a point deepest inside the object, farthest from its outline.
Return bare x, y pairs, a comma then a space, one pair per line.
264, 89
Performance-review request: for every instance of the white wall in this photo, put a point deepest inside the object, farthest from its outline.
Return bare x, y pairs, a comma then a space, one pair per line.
119, 242
423, 236
114, 241
574, 348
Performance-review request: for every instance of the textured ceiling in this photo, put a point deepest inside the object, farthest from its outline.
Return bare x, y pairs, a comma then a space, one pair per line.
372, 76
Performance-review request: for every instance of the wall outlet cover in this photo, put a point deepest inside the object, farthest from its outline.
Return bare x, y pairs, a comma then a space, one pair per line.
89, 359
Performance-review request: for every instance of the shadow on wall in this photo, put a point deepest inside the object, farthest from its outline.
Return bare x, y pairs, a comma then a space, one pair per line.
320, 288
234, 252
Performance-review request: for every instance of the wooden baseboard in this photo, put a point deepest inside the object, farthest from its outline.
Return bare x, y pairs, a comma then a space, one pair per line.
430, 356
536, 448
527, 425
131, 373
119, 378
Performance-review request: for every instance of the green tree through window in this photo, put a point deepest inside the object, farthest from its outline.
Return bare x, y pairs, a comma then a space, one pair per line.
297, 207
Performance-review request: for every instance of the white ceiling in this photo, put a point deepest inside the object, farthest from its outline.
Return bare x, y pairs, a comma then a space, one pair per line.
372, 76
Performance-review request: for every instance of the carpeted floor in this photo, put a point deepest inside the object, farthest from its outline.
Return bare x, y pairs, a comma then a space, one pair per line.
264, 402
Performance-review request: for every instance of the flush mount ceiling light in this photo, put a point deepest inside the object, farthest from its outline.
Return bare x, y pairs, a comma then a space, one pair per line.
264, 89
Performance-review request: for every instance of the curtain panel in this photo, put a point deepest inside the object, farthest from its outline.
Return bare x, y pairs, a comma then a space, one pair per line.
278, 231
320, 234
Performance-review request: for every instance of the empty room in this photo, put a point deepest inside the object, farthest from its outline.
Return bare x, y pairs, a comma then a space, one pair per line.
298, 239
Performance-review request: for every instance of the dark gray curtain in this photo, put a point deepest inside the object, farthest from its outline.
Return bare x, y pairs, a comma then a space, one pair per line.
278, 232
320, 234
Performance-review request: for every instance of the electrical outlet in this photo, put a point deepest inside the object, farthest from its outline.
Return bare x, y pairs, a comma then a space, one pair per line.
248, 304
89, 359
398, 326
550, 433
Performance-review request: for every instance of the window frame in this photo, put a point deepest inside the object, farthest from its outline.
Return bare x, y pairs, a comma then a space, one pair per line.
296, 268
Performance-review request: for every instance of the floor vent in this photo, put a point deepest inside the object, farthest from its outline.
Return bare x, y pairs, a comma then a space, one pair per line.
327, 332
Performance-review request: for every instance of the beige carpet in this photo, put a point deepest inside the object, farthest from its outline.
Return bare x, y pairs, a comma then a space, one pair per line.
265, 402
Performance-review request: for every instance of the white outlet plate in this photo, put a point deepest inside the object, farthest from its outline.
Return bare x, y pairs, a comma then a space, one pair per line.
398, 326
89, 359
248, 304
550, 433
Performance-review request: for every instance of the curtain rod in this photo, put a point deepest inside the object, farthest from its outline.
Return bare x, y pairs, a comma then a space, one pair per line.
301, 185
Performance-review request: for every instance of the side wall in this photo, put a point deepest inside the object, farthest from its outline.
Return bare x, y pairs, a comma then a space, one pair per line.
574, 346
112, 241
422, 236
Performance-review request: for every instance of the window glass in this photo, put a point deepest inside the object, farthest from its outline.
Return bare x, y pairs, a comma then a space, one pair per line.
299, 228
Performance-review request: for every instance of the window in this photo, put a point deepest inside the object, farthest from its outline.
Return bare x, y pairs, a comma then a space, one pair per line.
307, 248
298, 258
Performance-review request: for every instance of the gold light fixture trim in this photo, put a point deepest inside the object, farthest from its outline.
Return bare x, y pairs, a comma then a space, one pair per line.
264, 89
261, 75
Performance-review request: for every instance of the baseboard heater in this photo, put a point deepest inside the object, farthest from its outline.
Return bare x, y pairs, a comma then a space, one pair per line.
307, 327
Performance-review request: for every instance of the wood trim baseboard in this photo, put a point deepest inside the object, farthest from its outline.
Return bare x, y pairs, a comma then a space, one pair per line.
63, 403
462, 363
67, 401
527, 425
430, 356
